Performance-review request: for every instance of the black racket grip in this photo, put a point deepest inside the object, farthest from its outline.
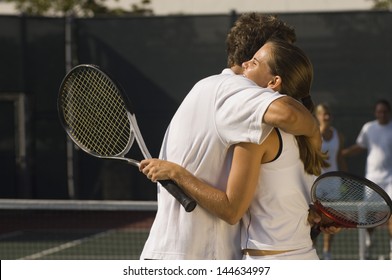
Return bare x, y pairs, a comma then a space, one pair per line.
315, 232
188, 203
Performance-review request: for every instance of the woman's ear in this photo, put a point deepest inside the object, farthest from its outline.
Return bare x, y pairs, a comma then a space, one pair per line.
275, 83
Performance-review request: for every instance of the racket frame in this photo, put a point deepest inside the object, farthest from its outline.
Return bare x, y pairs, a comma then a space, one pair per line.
343, 222
188, 203
134, 131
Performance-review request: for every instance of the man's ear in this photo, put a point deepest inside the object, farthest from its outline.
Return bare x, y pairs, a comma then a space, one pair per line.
275, 83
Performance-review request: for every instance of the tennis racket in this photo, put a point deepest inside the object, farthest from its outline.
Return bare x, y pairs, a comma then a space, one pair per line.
98, 117
350, 201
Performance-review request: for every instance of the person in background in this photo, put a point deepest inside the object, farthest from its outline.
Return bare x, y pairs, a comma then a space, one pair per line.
375, 138
332, 144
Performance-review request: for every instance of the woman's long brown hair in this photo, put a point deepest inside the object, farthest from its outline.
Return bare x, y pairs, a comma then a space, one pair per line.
296, 71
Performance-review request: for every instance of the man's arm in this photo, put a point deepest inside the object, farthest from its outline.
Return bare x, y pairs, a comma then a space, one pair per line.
353, 150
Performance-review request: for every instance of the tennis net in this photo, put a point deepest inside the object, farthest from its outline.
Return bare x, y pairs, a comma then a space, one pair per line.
116, 230
71, 229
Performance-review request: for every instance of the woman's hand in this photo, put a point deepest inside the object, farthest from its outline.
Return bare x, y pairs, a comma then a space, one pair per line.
157, 169
321, 222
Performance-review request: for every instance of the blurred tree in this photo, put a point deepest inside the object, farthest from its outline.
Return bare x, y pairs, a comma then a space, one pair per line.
382, 4
78, 7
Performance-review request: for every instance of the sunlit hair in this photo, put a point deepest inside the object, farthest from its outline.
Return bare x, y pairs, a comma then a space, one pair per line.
249, 34
296, 71
323, 106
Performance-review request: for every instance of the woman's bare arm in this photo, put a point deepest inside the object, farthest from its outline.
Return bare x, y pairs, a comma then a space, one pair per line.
292, 117
230, 205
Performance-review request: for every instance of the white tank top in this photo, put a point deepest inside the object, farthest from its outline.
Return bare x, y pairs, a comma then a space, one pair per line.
277, 216
332, 147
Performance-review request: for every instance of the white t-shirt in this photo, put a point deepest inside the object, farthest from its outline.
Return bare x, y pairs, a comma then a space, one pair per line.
332, 147
218, 112
377, 139
277, 218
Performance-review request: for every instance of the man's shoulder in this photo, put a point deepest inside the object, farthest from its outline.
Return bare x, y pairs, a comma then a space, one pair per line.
369, 125
228, 79
225, 74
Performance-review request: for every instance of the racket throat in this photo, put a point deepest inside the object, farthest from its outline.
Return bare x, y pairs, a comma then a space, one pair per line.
138, 136
132, 162
332, 218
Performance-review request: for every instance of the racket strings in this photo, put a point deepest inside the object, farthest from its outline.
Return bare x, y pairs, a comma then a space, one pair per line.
95, 113
352, 202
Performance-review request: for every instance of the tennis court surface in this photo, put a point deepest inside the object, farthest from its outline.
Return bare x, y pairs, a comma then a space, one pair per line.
38, 229
112, 230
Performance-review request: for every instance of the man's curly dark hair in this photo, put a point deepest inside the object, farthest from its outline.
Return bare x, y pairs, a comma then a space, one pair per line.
250, 32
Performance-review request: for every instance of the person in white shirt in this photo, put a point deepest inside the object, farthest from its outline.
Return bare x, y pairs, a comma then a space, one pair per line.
218, 112
269, 183
332, 144
375, 137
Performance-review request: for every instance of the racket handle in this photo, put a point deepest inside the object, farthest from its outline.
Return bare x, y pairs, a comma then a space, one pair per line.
188, 203
314, 232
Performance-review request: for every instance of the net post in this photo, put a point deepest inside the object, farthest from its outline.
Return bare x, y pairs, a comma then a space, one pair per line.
69, 145
361, 243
